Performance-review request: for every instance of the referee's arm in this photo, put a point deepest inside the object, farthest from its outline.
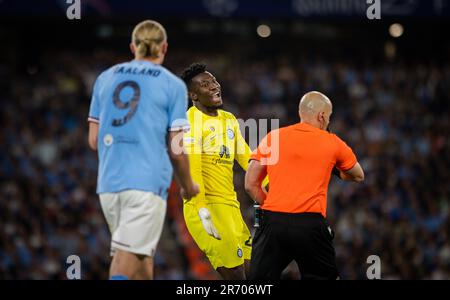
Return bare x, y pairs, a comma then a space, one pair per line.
354, 174
254, 176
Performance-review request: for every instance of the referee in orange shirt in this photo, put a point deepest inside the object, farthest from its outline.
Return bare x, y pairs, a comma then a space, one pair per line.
299, 160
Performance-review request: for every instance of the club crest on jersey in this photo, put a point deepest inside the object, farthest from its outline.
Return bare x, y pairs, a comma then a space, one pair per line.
230, 133
239, 252
212, 129
108, 140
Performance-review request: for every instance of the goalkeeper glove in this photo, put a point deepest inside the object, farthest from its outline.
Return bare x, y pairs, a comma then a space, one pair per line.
205, 217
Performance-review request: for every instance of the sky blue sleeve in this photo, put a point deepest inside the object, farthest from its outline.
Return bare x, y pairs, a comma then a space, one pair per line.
94, 110
178, 106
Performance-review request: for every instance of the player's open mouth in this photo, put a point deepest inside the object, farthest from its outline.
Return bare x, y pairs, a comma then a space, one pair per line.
217, 96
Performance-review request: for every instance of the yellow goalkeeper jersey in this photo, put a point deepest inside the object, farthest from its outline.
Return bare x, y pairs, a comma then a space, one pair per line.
213, 144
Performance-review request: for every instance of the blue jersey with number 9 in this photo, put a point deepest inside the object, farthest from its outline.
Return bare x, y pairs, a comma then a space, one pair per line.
136, 103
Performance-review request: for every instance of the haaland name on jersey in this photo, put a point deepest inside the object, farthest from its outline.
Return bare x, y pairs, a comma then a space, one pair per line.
137, 71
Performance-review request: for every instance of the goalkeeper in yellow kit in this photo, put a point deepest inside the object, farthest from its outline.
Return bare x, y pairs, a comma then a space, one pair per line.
214, 141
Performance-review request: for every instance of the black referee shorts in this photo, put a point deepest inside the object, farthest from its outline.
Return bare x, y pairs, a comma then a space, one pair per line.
283, 237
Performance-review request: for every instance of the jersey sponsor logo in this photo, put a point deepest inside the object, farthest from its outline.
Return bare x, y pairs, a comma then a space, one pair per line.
219, 161
239, 252
108, 140
230, 133
126, 140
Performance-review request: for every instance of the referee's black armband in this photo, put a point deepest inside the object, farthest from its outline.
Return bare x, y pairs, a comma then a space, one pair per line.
336, 172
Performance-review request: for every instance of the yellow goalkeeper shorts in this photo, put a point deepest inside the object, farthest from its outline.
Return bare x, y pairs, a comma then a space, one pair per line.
235, 244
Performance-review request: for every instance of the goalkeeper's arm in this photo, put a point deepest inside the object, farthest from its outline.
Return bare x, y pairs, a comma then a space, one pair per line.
199, 201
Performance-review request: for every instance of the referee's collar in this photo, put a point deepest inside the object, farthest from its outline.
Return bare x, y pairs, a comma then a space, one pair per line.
307, 127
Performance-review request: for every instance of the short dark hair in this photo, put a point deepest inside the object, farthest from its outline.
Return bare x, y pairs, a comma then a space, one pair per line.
192, 71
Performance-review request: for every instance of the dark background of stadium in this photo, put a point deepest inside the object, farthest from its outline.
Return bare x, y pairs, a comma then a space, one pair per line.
391, 104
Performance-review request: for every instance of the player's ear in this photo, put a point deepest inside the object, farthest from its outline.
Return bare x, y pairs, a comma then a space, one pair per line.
192, 96
132, 48
320, 118
164, 48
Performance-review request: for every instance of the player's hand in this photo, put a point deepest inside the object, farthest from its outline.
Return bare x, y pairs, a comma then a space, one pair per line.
336, 172
205, 217
191, 192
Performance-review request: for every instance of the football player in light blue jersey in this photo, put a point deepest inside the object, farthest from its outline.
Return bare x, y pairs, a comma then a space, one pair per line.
136, 122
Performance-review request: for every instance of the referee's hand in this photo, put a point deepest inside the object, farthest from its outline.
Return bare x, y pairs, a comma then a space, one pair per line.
336, 172
208, 225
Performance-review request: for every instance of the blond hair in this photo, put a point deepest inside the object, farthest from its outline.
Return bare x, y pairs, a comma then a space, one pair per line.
148, 37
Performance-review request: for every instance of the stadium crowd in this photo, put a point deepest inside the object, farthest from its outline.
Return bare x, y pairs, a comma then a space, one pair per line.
394, 114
